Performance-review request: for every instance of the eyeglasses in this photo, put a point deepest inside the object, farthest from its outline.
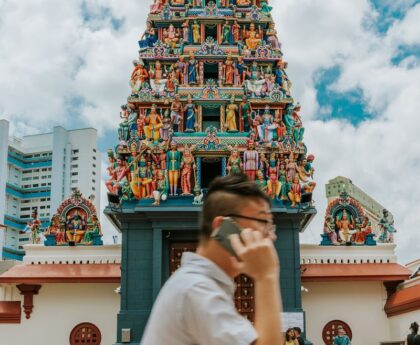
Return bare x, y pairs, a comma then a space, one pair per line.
270, 227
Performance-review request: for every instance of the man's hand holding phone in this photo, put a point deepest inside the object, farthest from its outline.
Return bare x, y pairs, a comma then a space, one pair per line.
257, 255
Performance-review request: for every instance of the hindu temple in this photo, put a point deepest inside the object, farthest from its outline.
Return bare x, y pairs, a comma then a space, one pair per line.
209, 96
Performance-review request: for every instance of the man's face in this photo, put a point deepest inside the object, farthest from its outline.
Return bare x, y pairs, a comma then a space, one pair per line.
261, 212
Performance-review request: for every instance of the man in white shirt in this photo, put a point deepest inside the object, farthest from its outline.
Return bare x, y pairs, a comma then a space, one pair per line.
196, 307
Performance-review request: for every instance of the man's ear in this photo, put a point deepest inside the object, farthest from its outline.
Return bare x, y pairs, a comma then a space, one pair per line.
217, 223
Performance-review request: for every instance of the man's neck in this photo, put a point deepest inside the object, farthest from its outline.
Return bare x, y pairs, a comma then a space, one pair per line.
213, 251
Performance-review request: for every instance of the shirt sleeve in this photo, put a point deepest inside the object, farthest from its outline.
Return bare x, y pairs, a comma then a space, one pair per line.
211, 318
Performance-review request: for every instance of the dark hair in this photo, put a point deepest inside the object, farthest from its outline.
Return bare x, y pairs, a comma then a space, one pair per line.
227, 195
288, 338
414, 327
297, 329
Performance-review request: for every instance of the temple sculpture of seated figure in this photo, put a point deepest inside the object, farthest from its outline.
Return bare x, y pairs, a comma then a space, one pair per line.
253, 37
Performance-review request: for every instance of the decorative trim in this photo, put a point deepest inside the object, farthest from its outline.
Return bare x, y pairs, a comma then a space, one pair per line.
28, 292
10, 312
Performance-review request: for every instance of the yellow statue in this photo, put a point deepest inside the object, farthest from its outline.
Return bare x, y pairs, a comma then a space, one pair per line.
254, 39
243, 2
345, 228
231, 110
154, 124
196, 33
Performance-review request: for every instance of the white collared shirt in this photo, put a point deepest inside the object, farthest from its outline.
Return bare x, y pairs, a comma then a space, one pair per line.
196, 307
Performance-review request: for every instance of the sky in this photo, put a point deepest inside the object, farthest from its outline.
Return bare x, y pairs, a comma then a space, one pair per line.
355, 67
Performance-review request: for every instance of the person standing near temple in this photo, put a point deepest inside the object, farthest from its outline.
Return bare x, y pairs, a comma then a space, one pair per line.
341, 338
414, 337
298, 333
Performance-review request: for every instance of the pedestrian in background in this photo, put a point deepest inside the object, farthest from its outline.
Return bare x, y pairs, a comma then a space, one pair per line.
291, 337
413, 338
298, 333
341, 338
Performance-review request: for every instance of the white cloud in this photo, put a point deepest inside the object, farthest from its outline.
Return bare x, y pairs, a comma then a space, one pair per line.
50, 55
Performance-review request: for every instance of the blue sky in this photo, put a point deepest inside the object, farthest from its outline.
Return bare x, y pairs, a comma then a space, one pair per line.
355, 67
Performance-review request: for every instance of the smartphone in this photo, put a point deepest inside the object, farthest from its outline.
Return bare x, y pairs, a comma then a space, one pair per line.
228, 228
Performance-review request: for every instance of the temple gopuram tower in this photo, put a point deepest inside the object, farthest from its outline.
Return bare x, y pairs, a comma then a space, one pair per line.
210, 96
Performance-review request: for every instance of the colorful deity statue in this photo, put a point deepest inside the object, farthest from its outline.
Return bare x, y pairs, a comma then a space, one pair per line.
178, 2
172, 81
93, 228
57, 229
190, 114
387, 228
153, 125
161, 190
329, 230
362, 229
196, 32
245, 110
251, 161
231, 110
140, 183
234, 164
298, 129
148, 39
236, 31
253, 37
240, 71
345, 228
273, 183
261, 182
279, 73
271, 34
280, 126
124, 128
226, 32
157, 7
192, 69
295, 192
176, 117
284, 185
141, 121
165, 131
139, 77
34, 226
229, 70
171, 37
76, 227
181, 68
267, 128
187, 171
173, 161
186, 31
291, 168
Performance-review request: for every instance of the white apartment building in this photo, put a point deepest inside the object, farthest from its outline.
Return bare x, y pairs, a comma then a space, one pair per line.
40, 171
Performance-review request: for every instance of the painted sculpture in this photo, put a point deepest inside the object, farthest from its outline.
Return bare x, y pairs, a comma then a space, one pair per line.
210, 86
346, 223
74, 223
34, 227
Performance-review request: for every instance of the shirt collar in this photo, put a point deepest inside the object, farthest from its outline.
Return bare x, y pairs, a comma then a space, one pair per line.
199, 264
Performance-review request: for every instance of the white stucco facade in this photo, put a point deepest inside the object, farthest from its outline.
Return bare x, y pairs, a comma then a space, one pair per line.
359, 304
59, 308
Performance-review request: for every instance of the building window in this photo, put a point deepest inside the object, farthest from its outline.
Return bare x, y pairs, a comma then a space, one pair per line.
330, 331
94, 150
74, 181
94, 158
75, 158
85, 333
74, 174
